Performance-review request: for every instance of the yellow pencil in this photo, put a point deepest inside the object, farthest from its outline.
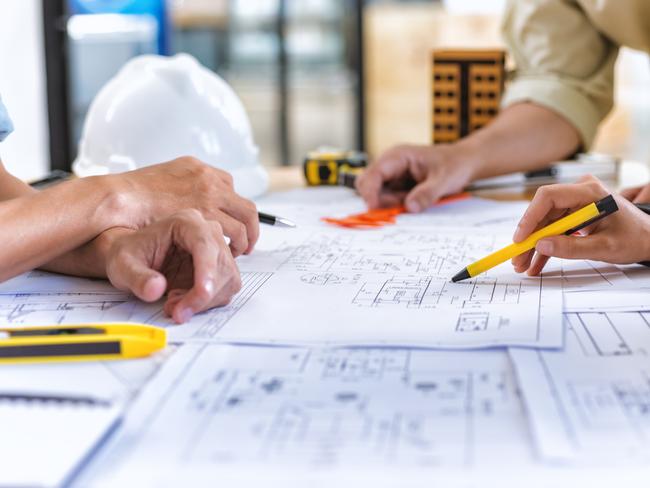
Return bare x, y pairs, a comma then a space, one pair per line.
566, 225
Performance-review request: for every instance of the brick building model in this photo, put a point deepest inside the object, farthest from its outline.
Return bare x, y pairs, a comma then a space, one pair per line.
466, 91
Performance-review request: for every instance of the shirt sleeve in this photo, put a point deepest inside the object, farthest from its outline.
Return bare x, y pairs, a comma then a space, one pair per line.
6, 126
562, 62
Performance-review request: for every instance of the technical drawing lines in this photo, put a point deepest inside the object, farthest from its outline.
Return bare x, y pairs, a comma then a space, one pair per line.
57, 308
429, 292
412, 293
388, 252
610, 334
207, 324
324, 408
473, 322
607, 404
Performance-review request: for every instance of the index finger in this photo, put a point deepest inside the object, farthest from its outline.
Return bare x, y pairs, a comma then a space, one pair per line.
560, 196
197, 239
370, 183
245, 212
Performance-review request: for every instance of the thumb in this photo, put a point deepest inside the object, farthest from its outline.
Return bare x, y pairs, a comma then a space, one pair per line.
138, 278
572, 247
423, 195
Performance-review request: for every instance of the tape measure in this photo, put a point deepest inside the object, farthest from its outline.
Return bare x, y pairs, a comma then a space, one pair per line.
332, 167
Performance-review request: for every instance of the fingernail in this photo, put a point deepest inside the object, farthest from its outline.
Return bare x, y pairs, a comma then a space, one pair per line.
515, 236
412, 206
185, 314
545, 247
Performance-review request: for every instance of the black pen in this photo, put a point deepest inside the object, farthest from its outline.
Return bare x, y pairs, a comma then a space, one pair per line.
273, 220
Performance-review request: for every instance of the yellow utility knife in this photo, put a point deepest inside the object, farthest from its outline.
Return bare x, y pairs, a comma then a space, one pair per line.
83, 342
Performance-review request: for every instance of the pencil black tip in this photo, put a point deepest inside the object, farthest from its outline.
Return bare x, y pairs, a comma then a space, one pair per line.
461, 275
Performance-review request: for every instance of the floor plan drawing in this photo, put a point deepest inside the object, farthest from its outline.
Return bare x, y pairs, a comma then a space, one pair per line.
203, 326
58, 308
429, 292
609, 334
590, 403
388, 287
322, 409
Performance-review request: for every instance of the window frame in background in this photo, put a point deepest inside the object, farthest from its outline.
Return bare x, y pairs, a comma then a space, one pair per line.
61, 147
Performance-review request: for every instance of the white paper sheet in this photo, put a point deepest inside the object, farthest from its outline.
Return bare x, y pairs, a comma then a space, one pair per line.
614, 300
44, 442
590, 404
384, 287
307, 206
112, 381
584, 275
216, 409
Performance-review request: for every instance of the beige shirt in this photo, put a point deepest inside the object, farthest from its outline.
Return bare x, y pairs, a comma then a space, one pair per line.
565, 52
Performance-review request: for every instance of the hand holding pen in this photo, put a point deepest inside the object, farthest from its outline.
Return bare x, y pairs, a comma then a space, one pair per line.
621, 238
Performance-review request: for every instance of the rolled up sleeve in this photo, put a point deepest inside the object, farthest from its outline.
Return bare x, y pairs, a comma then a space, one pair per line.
562, 62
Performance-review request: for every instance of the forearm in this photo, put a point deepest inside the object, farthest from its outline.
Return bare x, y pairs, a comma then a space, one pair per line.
38, 227
12, 187
523, 137
88, 260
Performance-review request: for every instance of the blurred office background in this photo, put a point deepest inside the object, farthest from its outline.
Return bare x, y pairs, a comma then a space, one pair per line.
347, 73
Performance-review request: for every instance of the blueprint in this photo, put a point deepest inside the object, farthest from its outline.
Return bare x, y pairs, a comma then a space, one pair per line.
590, 403
218, 407
63, 307
385, 287
582, 275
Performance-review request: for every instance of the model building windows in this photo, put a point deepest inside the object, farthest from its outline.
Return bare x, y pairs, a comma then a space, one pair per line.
466, 88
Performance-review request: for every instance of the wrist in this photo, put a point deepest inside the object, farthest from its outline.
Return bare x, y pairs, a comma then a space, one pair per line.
115, 207
466, 157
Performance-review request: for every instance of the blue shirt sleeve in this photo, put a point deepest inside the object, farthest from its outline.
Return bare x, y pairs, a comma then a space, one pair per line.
6, 126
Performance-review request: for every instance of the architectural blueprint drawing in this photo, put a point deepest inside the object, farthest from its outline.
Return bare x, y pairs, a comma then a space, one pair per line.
218, 407
608, 334
392, 287
590, 404
204, 326
81, 305
582, 275
57, 308
386, 287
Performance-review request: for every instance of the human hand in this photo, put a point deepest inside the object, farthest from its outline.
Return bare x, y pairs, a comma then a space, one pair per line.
183, 255
414, 176
621, 238
155, 192
637, 194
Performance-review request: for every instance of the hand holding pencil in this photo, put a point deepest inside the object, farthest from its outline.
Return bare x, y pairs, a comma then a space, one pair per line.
621, 238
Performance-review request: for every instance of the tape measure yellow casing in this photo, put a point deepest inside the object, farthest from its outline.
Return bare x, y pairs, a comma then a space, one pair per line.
327, 167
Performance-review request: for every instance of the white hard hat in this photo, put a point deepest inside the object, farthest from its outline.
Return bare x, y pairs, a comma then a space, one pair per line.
159, 108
